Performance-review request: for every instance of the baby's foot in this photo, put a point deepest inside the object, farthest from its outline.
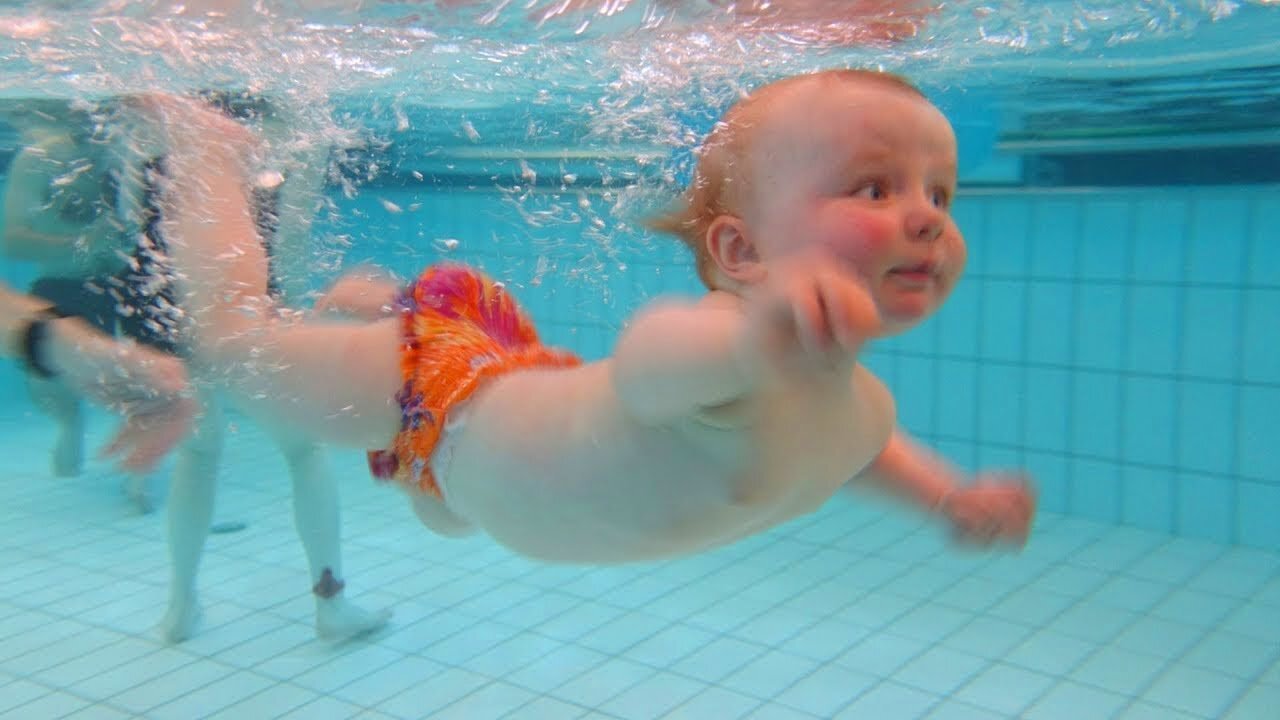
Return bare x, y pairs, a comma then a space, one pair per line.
180, 621
337, 620
68, 454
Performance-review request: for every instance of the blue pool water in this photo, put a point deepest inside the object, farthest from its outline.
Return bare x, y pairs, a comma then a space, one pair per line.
1117, 334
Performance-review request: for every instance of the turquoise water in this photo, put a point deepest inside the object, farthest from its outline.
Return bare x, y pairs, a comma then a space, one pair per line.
1115, 334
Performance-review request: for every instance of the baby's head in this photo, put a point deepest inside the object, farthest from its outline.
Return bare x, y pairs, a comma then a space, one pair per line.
852, 163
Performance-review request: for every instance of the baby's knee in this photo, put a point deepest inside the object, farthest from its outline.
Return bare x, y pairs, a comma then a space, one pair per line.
363, 294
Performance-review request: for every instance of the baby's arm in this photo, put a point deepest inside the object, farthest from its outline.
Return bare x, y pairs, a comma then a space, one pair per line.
911, 473
991, 510
677, 358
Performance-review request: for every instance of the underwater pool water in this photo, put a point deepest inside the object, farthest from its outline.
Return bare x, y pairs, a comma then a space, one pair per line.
1115, 334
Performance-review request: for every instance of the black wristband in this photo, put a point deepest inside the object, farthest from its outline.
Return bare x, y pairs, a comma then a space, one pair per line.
33, 338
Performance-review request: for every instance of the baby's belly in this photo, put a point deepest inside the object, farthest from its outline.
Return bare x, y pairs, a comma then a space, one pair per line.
644, 506
613, 495
578, 481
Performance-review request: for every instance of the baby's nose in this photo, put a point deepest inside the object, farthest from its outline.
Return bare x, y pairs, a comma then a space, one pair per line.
925, 222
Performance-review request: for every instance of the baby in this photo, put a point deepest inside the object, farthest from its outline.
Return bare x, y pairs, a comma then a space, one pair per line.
819, 219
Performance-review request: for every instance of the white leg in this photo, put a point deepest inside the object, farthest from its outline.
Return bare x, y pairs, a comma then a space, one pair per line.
317, 517
334, 383
63, 406
140, 489
191, 500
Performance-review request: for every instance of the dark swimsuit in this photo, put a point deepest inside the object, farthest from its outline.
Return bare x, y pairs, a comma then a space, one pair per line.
139, 300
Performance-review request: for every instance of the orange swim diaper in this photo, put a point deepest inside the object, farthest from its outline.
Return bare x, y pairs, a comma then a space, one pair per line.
459, 329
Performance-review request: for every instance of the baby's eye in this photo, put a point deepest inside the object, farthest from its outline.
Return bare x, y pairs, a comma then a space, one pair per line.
871, 191
942, 198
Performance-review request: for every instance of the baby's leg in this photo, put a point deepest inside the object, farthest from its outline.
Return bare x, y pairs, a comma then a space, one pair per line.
316, 514
334, 383
190, 513
363, 293
63, 405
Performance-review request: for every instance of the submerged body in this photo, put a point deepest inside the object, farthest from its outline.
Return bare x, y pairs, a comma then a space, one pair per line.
713, 420
554, 464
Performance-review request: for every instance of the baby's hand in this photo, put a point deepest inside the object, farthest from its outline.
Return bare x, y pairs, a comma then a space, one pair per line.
812, 313
995, 509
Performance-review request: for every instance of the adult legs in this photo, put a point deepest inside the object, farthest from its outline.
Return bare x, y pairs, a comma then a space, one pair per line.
62, 405
317, 518
191, 498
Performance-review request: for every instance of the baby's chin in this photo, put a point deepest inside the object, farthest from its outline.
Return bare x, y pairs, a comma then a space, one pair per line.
901, 317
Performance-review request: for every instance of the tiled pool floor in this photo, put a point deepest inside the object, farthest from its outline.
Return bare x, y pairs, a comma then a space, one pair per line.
855, 612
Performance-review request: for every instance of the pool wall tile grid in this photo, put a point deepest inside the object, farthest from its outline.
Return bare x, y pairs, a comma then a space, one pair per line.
857, 611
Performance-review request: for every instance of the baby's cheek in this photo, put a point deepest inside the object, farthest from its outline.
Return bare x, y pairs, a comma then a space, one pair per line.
864, 240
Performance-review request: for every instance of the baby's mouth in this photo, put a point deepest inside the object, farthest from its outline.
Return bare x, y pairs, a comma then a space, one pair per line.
915, 275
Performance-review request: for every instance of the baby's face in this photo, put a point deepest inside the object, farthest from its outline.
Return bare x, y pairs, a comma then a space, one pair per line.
864, 174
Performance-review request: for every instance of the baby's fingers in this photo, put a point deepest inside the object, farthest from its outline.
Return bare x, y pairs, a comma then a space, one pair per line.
991, 514
809, 314
851, 313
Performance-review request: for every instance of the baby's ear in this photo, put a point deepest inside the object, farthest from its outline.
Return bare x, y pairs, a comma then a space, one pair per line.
733, 250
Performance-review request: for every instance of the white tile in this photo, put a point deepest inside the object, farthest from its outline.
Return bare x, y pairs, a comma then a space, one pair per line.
223, 692
670, 645
52, 705
355, 661
321, 707
283, 700
490, 701
432, 693
114, 679
652, 697
769, 674
556, 668
98, 711
387, 681
713, 703
1256, 702
1196, 690
166, 688
826, 690
18, 693
617, 635
603, 682
545, 708
1004, 688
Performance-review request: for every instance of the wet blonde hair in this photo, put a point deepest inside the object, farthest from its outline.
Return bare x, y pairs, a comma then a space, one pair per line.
720, 184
